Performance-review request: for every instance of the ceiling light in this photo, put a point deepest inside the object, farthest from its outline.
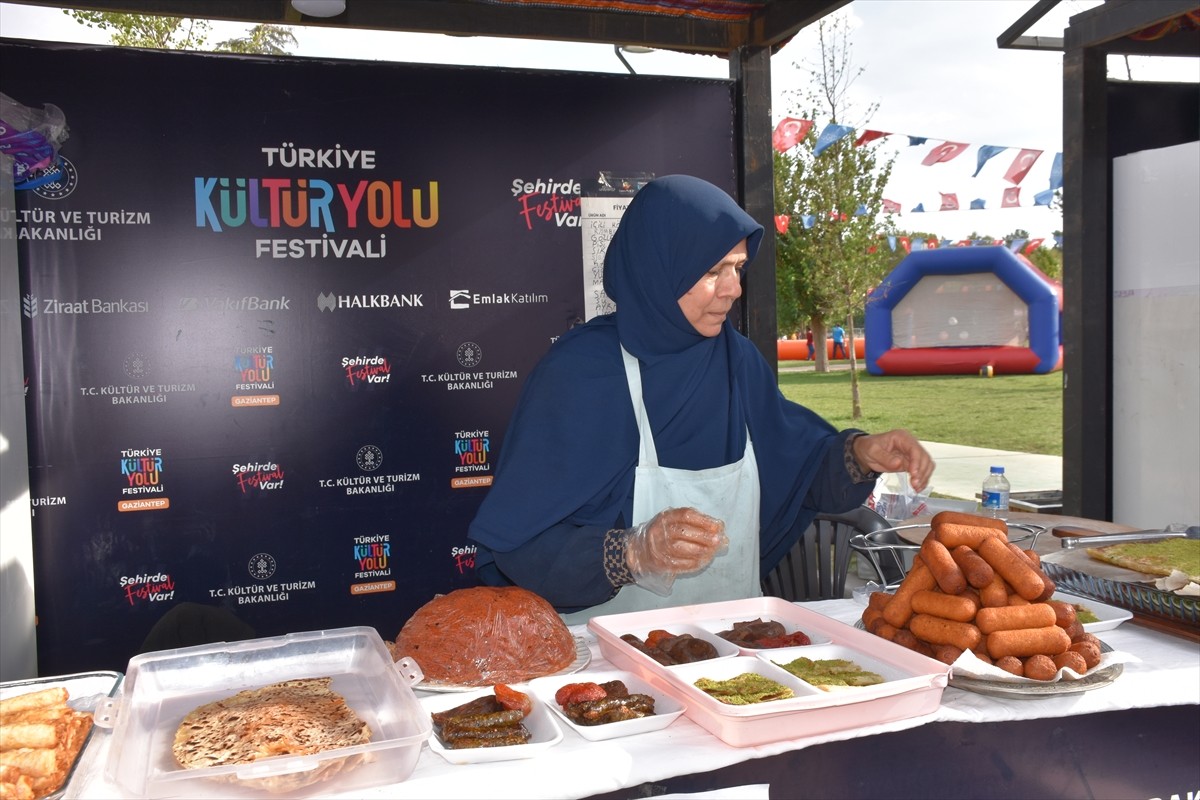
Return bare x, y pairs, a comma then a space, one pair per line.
319, 8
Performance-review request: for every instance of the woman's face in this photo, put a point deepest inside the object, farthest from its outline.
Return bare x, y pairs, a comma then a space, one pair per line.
708, 302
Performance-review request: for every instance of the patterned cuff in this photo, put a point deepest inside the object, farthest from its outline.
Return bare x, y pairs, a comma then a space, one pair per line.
856, 472
615, 568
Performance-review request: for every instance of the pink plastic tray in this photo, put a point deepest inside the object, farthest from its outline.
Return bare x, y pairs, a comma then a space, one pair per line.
913, 687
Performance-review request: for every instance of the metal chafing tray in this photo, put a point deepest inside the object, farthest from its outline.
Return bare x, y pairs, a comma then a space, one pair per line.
1076, 572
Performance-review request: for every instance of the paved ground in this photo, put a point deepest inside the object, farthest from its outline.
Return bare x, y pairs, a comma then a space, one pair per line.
961, 470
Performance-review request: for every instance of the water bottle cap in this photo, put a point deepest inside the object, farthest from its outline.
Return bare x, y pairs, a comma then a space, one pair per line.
998, 470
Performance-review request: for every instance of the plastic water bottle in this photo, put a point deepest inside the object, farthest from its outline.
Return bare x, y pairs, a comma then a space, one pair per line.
995, 495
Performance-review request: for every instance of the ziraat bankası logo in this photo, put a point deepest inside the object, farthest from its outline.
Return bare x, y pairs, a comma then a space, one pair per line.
296, 210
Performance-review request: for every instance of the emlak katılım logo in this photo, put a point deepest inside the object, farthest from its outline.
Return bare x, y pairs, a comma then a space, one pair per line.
547, 201
142, 485
461, 299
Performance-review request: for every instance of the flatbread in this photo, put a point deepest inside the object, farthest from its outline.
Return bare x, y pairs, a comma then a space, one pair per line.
1154, 558
299, 717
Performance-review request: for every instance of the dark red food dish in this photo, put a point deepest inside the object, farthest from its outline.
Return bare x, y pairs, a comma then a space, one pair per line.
763, 635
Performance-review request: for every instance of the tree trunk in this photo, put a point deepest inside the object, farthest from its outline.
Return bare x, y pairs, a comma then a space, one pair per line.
821, 351
855, 398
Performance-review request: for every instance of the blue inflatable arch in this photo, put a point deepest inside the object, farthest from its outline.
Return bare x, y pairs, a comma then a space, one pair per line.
967, 269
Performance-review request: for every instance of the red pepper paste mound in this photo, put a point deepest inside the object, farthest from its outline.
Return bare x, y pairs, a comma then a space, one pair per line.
486, 635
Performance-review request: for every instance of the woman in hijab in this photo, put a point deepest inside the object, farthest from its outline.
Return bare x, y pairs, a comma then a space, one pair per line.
651, 460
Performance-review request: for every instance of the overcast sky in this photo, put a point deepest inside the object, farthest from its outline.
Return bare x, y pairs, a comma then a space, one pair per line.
932, 66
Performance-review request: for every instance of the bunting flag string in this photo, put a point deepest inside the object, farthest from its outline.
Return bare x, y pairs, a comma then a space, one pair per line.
791, 131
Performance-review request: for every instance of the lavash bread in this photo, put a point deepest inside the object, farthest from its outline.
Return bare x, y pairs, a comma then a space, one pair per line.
297, 717
486, 635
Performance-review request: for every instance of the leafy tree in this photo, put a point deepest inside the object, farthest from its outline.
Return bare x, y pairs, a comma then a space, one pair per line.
825, 271
181, 33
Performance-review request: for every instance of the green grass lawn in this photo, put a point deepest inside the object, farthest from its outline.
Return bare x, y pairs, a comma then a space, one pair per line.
1007, 412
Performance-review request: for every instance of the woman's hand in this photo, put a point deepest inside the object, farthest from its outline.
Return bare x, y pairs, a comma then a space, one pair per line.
895, 451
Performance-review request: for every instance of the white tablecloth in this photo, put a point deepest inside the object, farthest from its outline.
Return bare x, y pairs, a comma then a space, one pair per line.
1167, 672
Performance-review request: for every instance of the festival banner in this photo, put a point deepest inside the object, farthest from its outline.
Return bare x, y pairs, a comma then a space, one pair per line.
277, 312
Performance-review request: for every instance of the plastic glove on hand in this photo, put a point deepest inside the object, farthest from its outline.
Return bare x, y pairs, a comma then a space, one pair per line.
674, 542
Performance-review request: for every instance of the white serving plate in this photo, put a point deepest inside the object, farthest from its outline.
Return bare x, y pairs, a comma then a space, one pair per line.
790, 625
545, 731
666, 708
1109, 616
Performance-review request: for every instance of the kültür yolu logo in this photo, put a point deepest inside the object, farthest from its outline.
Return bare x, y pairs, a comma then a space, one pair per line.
141, 471
254, 368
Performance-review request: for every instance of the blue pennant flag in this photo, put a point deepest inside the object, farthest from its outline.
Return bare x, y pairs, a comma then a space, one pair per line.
913, 141
1057, 240
1043, 198
920, 208
808, 220
861, 210
1017, 244
946, 243
985, 152
892, 243
830, 135
978, 202
1056, 172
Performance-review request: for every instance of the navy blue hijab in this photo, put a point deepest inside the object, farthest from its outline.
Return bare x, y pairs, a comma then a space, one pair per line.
571, 448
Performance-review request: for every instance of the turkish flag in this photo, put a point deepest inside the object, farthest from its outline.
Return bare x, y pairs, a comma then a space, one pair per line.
891, 206
949, 202
1034, 244
781, 222
1021, 165
906, 244
789, 132
869, 136
944, 152
1012, 197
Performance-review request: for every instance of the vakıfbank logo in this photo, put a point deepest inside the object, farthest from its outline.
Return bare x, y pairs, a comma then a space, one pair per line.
227, 304
546, 200
142, 470
255, 369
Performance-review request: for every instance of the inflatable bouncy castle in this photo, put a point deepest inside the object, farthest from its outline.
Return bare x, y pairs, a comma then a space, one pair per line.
964, 310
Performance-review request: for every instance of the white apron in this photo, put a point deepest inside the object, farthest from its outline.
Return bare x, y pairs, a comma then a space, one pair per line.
730, 493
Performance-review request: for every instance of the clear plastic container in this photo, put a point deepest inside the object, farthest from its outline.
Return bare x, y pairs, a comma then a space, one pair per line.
161, 688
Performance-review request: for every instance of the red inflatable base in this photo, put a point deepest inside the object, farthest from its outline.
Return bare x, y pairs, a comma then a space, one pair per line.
959, 361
